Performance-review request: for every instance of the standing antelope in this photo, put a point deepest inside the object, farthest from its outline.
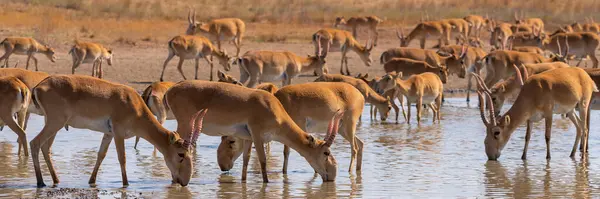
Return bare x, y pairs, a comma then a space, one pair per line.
88, 52
558, 91
30, 79
510, 86
25, 46
15, 100
429, 56
478, 23
580, 44
423, 30
334, 40
469, 59
316, 102
391, 95
536, 22
259, 66
384, 105
498, 64
499, 34
258, 117
195, 47
353, 23
413, 67
425, 88
459, 27
116, 110
219, 29
153, 97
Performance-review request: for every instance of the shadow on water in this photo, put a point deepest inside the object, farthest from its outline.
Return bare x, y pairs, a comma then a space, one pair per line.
399, 160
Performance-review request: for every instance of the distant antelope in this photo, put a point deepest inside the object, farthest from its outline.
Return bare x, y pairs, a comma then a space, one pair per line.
88, 52
434, 29
413, 67
353, 23
429, 56
580, 44
558, 91
15, 100
390, 94
530, 49
333, 40
195, 47
499, 34
384, 105
261, 116
498, 64
25, 46
422, 89
118, 112
510, 86
536, 22
317, 102
219, 29
259, 66
478, 23
459, 27
468, 61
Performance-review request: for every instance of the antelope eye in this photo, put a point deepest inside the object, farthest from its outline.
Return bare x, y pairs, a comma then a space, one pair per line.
181, 155
326, 153
231, 142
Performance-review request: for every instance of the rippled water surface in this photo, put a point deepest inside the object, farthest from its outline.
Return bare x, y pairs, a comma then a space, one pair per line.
430, 160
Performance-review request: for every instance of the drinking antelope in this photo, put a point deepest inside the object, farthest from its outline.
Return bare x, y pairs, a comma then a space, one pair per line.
384, 105
413, 67
558, 91
219, 29
25, 46
116, 110
510, 86
425, 88
259, 66
15, 100
259, 117
353, 23
334, 40
423, 30
88, 52
195, 47
317, 102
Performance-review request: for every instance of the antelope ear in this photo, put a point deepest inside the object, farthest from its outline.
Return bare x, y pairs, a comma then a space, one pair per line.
173, 138
312, 141
506, 120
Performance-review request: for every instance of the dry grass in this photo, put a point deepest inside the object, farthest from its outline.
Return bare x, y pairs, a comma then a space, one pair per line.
286, 21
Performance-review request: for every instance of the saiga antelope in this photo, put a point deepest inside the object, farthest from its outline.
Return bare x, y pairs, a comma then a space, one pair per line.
15, 100
116, 110
88, 52
333, 40
30, 79
536, 22
510, 86
153, 97
413, 67
316, 102
499, 34
259, 66
259, 118
384, 105
469, 59
25, 46
195, 47
353, 23
459, 27
580, 44
219, 29
498, 64
422, 89
424, 30
558, 91
478, 23
429, 56
391, 95
529, 49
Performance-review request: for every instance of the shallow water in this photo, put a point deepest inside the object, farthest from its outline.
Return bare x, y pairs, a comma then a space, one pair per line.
430, 160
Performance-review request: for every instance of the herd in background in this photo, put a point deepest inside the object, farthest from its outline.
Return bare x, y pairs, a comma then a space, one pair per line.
523, 58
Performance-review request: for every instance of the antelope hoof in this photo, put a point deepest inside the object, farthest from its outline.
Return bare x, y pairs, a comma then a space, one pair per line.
125, 185
41, 184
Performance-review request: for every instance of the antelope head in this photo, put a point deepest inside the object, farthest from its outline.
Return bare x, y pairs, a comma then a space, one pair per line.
403, 39
365, 55
321, 159
498, 92
317, 62
227, 78
224, 59
518, 20
193, 25
560, 56
109, 57
339, 21
228, 151
178, 155
50, 53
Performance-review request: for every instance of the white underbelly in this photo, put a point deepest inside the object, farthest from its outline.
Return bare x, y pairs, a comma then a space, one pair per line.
273, 77
103, 125
237, 130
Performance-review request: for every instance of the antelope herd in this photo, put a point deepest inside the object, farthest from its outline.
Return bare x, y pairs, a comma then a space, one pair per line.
524, 61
